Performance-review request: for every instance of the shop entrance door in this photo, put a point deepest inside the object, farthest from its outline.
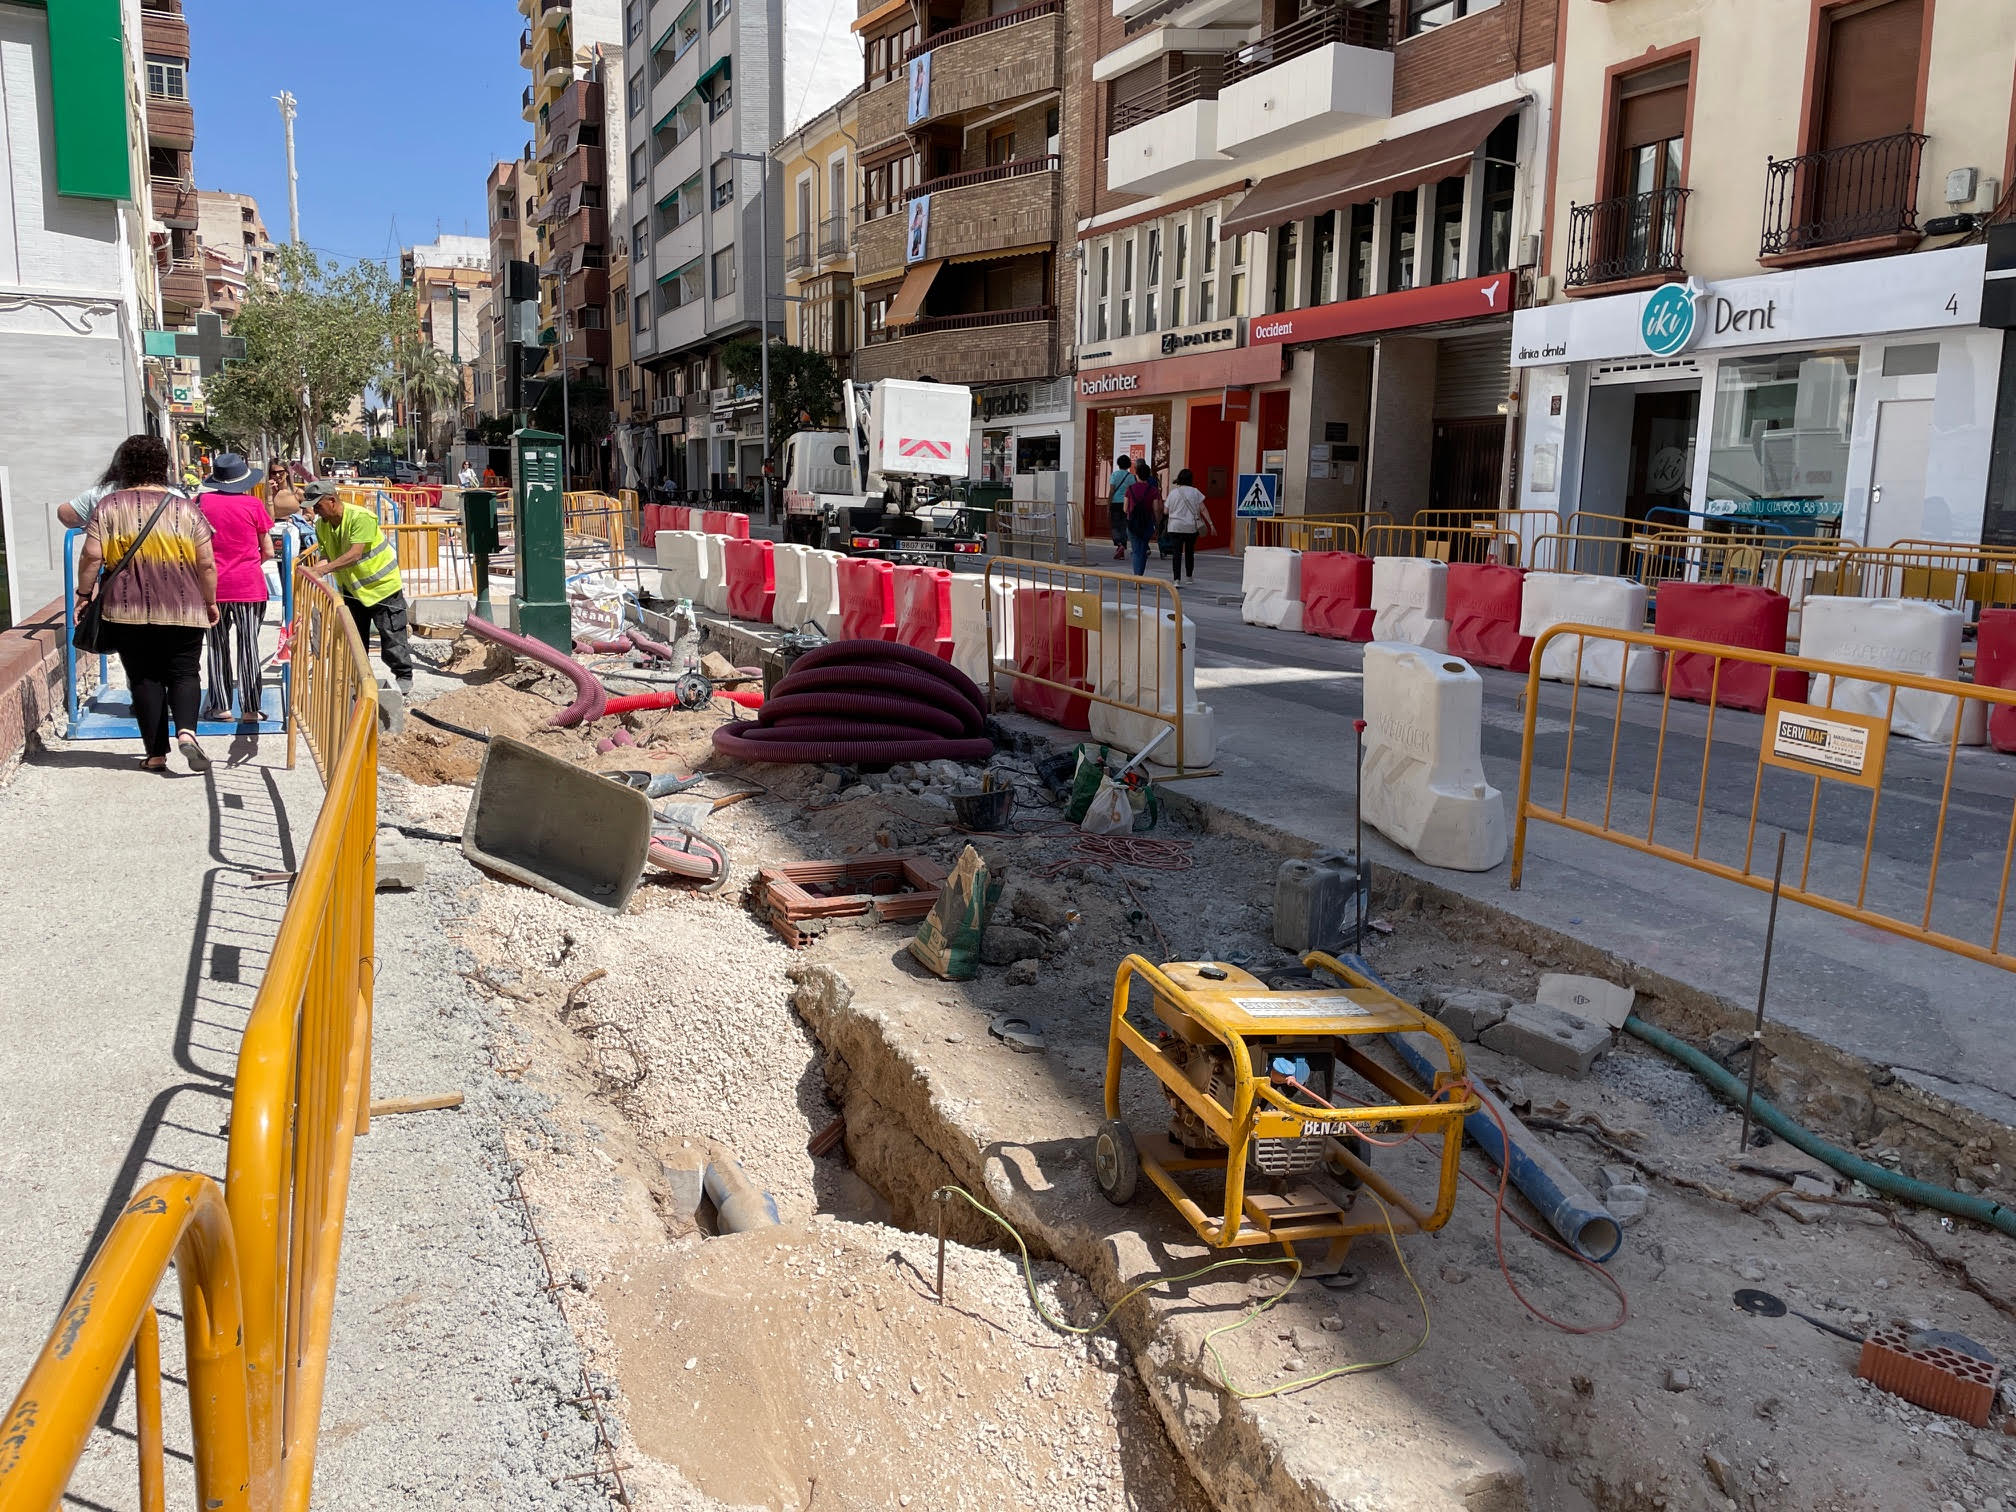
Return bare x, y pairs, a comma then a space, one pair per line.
1662, 456
1897, 495
1468, 465
1209, 456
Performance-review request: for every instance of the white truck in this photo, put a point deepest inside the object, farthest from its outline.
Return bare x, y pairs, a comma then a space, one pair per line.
893, 484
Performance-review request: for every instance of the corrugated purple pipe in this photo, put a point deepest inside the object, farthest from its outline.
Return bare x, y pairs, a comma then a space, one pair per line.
593, 696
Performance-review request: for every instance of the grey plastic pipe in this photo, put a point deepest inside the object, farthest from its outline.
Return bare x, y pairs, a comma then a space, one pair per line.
1878, 1178
1570, 1208
739, 1203
593, 696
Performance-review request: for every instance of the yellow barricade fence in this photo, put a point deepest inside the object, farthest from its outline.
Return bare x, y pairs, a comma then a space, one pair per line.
1814, 772
1478, 539
1699, 556
1064, 634
256, 1264
434, 559
1332, 532
1955, 576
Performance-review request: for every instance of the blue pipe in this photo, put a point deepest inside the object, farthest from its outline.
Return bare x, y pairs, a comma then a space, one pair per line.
1569, 1207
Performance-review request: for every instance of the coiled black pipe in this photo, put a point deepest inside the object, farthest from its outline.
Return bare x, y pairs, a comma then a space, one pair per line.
780, 709
869, 653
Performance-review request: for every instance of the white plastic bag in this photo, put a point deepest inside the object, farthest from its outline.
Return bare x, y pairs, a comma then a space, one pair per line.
1110, 813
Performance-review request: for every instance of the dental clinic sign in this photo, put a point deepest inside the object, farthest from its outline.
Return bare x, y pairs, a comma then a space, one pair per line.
1924, 291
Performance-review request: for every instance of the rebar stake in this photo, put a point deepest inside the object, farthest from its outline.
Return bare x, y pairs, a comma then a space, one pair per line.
1763, 982
1361, 880
939, 1198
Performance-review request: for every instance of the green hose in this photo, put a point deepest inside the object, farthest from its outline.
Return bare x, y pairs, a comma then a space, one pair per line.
1879, 1178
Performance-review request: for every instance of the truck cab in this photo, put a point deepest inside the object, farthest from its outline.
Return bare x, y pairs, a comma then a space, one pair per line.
817, 465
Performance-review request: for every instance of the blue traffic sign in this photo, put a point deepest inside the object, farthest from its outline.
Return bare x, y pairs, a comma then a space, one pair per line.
1259, 496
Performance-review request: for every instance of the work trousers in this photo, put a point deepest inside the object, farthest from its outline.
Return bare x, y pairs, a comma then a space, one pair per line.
233, 662
163, 667
388, 617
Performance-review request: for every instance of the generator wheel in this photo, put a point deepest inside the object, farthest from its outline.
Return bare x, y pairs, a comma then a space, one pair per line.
1350, 1179
1116, 1164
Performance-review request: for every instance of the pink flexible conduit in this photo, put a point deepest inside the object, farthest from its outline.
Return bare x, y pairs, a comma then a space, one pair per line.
593, 697
868, 703
634, 703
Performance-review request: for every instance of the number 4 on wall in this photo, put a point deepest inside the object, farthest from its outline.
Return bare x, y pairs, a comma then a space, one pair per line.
1952, 304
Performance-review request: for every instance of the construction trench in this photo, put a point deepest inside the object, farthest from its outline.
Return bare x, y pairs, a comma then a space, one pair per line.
690, 1062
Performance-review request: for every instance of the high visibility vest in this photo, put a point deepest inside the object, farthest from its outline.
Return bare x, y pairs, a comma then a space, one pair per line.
373, 577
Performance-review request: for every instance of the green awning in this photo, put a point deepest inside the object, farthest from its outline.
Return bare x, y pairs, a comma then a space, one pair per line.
655, 46
719, 65
670, 195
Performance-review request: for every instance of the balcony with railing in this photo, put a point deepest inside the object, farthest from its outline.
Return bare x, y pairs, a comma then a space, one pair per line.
1847, 201
582, 166
979, 210
556, 68
1160, 139
668, 406
174, 201
1632, 240
797, 251
163, 32
580, 101
170, 123
1017, 344
527, 110
182, 286
525, 48
1330, 70
833, 235
990, 61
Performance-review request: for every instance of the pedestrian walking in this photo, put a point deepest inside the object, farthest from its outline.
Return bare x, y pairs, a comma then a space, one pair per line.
147, 550
466, 477
1182, 518
359, 556
1144, 511
242, 543
1117, 484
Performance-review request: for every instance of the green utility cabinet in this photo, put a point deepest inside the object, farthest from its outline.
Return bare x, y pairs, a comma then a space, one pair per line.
539, 601
479, 534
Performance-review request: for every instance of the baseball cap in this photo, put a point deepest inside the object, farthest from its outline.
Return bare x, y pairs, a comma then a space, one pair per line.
321, 488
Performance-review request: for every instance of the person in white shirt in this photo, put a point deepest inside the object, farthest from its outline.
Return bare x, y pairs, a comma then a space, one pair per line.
467, 477
1184, 515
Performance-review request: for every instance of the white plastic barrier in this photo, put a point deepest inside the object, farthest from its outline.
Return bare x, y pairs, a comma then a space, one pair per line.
969, 626
1423, 785
822, 591
682, 562
1140, 659
1410, 597
788, 566
715, 591
1272, 583
1003, 609
1570, 598
1896, 635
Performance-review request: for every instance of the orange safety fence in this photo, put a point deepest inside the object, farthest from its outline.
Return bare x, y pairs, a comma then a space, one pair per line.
256, 1266
1710, 799
1330, 532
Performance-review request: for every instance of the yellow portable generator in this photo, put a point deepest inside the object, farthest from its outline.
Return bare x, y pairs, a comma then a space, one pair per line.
1252, 1076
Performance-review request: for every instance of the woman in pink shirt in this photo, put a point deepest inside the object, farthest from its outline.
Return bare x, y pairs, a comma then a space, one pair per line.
242, 541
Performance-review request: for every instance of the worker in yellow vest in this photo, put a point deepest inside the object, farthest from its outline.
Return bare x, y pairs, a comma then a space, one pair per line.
361, 558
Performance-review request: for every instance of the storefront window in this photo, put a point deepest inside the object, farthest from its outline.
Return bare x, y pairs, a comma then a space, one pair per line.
1038, 453
1359, 265
1323, 263
994, 456
1779, 446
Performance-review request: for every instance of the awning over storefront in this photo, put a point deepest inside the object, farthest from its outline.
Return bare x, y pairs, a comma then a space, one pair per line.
877, 16
1001, 254
908, 304
1371, 173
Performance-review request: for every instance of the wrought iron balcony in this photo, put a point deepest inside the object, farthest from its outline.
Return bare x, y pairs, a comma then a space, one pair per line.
797, 251
985, 24
977, 320
1371, 28
972, 176
1630, 236
1862, 192
1188, 87
833, 235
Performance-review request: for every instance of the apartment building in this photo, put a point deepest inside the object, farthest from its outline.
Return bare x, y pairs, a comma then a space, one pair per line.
1763, 290
171, 146
508, 196
236, 250
816, 165
77, 271
967, 122
1300, 237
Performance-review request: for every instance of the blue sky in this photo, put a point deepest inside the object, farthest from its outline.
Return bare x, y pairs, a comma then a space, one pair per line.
404, 107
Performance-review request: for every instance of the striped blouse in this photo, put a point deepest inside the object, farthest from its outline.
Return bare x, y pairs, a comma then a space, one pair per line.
164, 586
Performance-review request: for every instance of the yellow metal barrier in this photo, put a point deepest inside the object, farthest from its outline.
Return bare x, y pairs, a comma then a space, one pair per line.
1691, 556
1334, 532
256, 1264
1802, 754
1081, 633
434, 559
1955, 576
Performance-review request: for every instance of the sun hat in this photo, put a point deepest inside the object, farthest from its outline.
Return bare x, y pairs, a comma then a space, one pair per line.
231, 473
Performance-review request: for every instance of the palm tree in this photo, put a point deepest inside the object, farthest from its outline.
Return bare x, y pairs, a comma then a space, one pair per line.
423, 377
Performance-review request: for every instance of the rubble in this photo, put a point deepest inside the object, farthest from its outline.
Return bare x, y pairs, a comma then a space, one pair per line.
1548, 1039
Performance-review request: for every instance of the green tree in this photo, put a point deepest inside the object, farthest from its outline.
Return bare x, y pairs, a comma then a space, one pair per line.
348, 446
804, 387
589, 415
313, 337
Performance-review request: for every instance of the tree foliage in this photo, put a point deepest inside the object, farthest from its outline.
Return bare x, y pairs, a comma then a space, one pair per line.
589, 413
313, 339
348, 446
804, 386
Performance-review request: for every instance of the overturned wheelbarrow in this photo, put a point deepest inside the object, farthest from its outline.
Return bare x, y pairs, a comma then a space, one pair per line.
549, 824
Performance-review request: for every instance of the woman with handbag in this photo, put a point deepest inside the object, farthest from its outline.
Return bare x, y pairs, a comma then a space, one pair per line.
147, 589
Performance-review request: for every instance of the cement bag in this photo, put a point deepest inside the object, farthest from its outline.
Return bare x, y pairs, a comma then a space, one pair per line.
1109, 813
948, 941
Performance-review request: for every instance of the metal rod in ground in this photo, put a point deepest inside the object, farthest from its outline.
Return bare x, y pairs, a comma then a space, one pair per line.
941, 1247
1763, 983
1362, 878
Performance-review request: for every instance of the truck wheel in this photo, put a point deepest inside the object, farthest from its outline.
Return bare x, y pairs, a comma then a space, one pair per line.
1116, 1164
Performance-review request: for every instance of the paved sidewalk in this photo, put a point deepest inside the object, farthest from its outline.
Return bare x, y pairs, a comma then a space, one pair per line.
1285, 705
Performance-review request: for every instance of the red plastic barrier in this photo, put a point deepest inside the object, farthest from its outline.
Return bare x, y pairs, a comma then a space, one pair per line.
924, 609
1995, 667
1729, 614
1047, 646
1484, 614
676, 516
867, 599
1337, 595
726, 522
752, 579
648, 524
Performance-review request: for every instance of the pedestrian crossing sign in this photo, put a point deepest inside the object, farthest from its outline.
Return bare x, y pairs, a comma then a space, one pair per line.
1258, 495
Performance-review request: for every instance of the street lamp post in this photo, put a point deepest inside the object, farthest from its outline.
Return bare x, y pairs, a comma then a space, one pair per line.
763, 322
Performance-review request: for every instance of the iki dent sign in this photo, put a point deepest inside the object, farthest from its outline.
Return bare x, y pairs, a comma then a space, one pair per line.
1671, 322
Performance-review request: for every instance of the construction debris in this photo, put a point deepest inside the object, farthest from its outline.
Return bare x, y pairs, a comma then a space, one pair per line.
801, 899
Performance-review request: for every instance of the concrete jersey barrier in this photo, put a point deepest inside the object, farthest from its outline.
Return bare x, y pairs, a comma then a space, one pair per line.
1892, 635
1410, 598
1423, 785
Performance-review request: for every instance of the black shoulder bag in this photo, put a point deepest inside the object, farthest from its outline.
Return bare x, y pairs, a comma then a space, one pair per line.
89, 633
